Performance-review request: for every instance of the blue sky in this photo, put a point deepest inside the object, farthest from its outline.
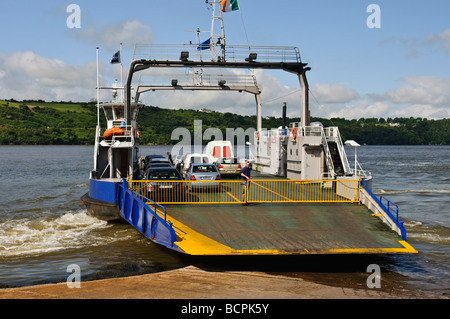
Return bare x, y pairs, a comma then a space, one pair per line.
401, 69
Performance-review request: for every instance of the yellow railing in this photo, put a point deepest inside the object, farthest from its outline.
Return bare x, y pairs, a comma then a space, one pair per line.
253, 191
303, 191
190, 192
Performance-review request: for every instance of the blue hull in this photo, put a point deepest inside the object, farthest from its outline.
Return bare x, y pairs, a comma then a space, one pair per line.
105, 191
148, 220
112, 200
102, 200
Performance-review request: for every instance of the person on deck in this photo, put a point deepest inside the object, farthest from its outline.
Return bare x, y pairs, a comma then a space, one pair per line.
169, 156
245, 174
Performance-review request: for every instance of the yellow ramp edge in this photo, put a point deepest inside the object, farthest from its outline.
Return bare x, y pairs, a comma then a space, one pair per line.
194, 243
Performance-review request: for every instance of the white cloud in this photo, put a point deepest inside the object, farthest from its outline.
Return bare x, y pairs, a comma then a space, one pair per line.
273, 94
126, 32
442, 39
49, 72
27, 75
333, 93
419, 96
422, 110
337, 100
412, 45
418, 46
362, 108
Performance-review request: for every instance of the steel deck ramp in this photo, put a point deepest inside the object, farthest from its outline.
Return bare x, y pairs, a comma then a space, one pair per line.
263, 229
295, 229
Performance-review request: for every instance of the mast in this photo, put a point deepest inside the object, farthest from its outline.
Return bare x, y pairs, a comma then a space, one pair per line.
122, 97
217, 40
98, 94
97, 129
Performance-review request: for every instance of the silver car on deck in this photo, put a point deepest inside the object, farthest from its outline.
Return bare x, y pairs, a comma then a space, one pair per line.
203, 175
228, 166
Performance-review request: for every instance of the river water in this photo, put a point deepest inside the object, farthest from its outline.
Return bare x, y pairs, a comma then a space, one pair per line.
44, 228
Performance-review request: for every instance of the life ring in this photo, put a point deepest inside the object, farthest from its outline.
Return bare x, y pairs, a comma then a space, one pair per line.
113, 131
257, 135
294, 133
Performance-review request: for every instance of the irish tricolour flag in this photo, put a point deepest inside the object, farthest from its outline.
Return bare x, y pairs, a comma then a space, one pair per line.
229, 5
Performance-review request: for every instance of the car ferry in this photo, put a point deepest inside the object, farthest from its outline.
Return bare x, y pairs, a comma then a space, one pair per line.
303, 198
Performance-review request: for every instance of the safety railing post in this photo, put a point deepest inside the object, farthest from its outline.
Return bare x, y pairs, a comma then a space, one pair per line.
247, 186
359, 189
244, 184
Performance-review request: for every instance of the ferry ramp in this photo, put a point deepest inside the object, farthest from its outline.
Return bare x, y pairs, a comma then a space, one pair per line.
267, 217
267, 229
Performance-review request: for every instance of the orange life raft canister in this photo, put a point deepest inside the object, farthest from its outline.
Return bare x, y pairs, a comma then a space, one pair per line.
113, 131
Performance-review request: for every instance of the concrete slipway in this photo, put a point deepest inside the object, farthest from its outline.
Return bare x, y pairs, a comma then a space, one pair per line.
194, 283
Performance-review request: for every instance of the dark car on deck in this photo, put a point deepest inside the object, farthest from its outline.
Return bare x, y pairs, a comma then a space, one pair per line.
156, 161
163, 185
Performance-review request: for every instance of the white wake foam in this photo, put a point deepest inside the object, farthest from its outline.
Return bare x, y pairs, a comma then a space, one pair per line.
33, 236
411, 191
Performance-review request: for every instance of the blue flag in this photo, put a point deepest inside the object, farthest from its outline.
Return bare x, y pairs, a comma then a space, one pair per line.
116, 58
204, 45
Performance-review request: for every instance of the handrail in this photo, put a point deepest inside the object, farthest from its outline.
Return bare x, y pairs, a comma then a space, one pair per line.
264, 53
328, 157
129, 135
390, 205
155, 204
232, 52
197, 79
397, 221
362, 172
334, 131
237, 192
146, 220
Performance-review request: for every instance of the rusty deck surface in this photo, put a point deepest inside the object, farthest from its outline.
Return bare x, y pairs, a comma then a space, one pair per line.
307, 228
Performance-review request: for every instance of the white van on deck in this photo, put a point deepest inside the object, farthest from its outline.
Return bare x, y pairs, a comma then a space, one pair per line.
218, 149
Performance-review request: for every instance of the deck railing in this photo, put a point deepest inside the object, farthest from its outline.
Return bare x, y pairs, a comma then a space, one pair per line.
232, 52
252, 191
390, 206
129, 134
383, 206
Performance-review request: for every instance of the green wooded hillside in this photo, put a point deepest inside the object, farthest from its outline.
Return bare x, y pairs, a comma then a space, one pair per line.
40, 123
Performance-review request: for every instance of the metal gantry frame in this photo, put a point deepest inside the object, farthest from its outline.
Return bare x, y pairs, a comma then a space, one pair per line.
270, 58
251, 62
207, 82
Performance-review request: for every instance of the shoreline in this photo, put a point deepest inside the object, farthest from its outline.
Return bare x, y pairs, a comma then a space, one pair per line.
194, 283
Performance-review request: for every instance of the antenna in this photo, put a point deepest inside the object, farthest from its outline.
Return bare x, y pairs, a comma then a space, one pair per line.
197, 76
